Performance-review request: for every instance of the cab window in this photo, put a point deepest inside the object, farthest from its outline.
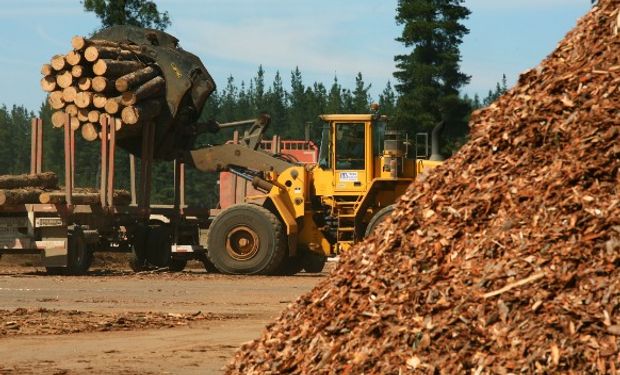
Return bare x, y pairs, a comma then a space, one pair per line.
350, 150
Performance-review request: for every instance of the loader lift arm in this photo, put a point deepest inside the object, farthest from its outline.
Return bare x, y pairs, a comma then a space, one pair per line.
244, 155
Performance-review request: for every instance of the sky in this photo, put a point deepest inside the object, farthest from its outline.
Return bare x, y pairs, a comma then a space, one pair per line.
324, 38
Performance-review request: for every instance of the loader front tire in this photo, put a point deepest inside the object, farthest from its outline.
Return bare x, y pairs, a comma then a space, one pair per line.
246, 239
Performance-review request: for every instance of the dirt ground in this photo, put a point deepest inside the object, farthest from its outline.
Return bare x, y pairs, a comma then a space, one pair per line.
113, 321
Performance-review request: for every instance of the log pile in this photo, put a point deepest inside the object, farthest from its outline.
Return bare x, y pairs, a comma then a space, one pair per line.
140, 77
101, 77
503, 260
43, 188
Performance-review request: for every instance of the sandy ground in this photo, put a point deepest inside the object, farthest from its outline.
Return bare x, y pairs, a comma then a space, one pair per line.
112, 321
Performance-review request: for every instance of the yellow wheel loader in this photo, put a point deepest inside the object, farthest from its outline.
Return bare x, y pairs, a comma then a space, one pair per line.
307, 213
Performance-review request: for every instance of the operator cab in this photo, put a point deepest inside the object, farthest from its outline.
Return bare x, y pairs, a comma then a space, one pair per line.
361, 148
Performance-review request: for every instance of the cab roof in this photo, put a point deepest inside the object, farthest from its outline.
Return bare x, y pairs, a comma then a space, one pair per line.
341, 117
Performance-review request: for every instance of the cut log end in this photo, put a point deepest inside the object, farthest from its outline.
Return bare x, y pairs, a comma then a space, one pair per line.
58, 62
55, 100
99, 100
58, 119
83, 99
113, 106
100, 84
78, 42
84, 83
73, 58
47, 69
77, 71
69, 94
93, 116
89, 132
48, 83
64, 79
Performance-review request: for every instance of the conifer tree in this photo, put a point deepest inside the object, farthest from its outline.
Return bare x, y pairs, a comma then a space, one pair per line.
429, 76
361, 98
143, 13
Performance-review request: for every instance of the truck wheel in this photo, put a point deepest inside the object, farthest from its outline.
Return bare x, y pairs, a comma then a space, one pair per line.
246, 239
313, 262
158, 242
379, 217
79, 254
177, 265
137, 260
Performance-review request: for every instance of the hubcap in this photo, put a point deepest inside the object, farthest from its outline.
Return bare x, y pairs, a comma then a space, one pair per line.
242, 243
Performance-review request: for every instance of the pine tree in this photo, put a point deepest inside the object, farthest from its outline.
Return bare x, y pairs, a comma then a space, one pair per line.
334, 98
228, 107
298, 106
361, 98
387, 100
258, 97
429, 77
275, 105
143, 13
244, 105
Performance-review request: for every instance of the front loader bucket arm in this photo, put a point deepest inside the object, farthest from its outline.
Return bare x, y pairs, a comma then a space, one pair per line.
226, 156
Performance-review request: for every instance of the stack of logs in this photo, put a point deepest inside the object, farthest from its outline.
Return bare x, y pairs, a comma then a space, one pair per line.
43, 188
504, 260
101, 77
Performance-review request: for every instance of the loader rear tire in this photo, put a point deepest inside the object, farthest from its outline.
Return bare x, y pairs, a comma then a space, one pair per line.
379, 217
246, 239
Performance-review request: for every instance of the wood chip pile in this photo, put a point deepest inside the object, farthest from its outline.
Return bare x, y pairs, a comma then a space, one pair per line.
99, 77
505, 260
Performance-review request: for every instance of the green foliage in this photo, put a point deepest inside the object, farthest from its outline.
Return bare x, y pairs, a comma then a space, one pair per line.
15, 134
143, 13
429, 77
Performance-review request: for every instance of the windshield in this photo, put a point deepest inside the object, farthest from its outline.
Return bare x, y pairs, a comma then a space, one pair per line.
350, 153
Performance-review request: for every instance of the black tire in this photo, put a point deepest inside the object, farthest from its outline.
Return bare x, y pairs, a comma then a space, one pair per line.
378, 218
177, 264
55, 271
246, 239
290, 266
158, 245
313, 262
137, 260
79, 253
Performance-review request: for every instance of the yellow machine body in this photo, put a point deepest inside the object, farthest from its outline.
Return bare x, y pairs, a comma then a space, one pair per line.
327, 207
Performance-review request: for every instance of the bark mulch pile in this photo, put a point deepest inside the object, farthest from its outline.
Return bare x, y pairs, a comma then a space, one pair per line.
505, 260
